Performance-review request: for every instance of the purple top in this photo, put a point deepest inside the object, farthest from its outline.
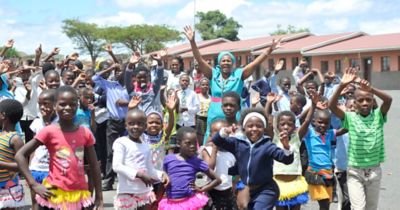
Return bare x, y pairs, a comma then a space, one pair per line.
181, 173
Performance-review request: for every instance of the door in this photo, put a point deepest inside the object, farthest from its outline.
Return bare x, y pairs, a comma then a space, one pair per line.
367, 68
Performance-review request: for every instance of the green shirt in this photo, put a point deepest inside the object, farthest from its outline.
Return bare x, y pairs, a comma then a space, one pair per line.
366, 146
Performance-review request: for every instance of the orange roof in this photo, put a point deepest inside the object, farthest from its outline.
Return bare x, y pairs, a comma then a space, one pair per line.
177, 49
242, 45
312, 42
370, 43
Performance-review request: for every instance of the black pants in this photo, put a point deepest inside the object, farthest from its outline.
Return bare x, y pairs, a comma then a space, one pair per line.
25, 128
342, 179
101, 145
115, 129
222, 200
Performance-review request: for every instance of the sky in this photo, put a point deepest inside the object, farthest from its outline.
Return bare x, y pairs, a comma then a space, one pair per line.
32, 22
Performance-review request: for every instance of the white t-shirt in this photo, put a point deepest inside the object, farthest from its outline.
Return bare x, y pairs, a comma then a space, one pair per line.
41, 158
129, 159
224, 161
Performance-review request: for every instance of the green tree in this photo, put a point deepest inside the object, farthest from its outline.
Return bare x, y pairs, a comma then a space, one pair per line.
289, 30
214, 24
144, 38
86, 36
11, 53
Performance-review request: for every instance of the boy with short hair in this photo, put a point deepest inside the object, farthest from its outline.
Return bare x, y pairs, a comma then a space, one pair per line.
366, 146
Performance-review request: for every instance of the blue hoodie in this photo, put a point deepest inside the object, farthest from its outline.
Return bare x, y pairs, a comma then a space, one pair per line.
254, 160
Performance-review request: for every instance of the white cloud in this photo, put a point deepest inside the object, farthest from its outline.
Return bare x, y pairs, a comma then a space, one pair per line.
122, 18
145, 3
339, 7
381, 26
337, 24
225, 6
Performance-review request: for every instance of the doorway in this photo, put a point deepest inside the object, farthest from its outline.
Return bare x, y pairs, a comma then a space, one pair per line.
367, 68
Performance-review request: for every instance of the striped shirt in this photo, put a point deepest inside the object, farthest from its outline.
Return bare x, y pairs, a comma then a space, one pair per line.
6, 155
366, 146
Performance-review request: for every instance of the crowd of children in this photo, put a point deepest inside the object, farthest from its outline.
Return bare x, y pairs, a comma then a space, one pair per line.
181, 140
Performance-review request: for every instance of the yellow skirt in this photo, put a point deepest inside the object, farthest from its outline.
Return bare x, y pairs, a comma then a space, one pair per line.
291, 189
320, 192
62, 199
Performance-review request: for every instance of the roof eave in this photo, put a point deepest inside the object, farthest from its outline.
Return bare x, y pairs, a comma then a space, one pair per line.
352, 51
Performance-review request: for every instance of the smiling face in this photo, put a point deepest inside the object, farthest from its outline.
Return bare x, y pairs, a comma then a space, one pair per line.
52, 81
66, 105
135, 124
226, 64
142, 78
205, 86
254, 129
364, 102
175, 66
46, 105
188, 144
310, 87
154, 124
68, 78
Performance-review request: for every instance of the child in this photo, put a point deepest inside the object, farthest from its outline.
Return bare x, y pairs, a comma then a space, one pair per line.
11, 190
132, 161
252, 150
68, 77
201, 116
182, 193
319, 174
52, 79
66, 186
188, 103
292, 185
220, 161
341, 162
149, 92
157, 135
85, 113
366, 146
39, 164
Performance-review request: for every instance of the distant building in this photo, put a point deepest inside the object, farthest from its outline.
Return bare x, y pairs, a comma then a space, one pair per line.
377, 56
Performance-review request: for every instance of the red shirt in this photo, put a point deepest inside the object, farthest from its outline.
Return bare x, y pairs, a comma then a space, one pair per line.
66, 151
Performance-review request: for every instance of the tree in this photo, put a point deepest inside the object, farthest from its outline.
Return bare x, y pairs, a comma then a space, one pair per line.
11, 53
215, 24
144, 38
85, 36
289, 30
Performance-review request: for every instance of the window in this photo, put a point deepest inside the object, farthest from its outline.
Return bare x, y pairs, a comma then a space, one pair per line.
338, 66
324, 66
271, 64
238, 61
284, 64
249, 58
295, 62
353, 62
385, 63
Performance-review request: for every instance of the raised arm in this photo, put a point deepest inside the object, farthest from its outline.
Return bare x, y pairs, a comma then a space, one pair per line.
108, 48
306, 123
53, 53
171, 104
9, 44
386, 99
38, 53
348, 77
203, 65
249, 68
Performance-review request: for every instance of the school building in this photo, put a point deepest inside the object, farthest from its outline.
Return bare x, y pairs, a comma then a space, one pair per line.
377, 56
